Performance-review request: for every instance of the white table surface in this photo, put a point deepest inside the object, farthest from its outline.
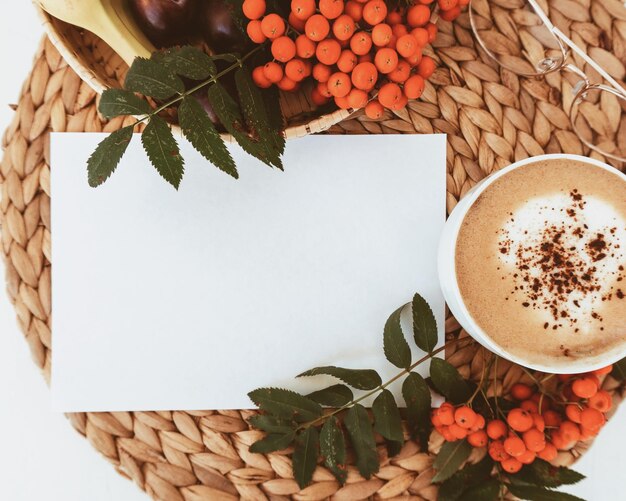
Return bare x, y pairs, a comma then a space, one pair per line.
43, 458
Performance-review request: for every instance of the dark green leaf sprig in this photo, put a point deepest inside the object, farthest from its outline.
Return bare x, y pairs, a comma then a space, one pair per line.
291, 419
253, 119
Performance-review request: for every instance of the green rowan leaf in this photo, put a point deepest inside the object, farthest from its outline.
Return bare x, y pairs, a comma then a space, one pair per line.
418, 401
485, 491
333, 449
273, 442
305, 456
270, 424
387, 420
536, 493
359, 428
619, 370
450, 458
361, 379
152, 79
396, 348
286, 404
187, 61
203, 136
471, 475
117, 102
333, 396
448, 381
424, 324
107, 155
544, 474
163, 151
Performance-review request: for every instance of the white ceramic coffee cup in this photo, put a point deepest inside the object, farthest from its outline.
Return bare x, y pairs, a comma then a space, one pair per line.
450, 288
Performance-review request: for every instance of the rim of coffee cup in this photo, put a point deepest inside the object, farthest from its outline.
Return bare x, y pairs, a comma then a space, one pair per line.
446, 265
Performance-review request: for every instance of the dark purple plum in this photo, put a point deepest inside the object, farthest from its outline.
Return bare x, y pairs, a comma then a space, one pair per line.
167, 22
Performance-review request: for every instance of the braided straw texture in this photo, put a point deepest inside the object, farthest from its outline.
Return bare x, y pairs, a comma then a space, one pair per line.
491, 117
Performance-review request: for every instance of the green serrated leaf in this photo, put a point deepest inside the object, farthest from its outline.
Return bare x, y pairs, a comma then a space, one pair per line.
333, 449
544, 474
619, 370
361, 379
163, 151
394, 447
396, 348
286, 404
273, 442
305, 456
472, 474
152, 79
227, 110
450, 458
203, 136
359, 428
270, 424
256, 117
424, 324
107, 155
387, 420
535, 493
271, 97
333, 396
417, 398
447, 380
117, 102
485, 491
187, 61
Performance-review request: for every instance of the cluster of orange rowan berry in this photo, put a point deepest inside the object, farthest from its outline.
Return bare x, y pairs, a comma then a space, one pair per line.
538, 427
360, 53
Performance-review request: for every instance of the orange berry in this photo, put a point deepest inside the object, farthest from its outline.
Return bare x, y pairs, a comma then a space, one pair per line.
364, 77
317, 98
401, 73
414, 87
601, 401
273, 26
374, 110
399, 30
283, 49
530, 406
361, 43
564, 377
273, 72
432, 29
572, 411
538, 422
390, 95
552, 418
406, 45
592, 419
457, 431
527, 458
354, 9
305, 47
421, 35
570, 432
357, 98
479, 424
381, 34
418, 15
548, 453
585, 387
586, 434
287, 84
426, 67
253, 9
514, 446
534, 440
339, 86
254, 31
295, 23
401, 103
521, 391
322, 88
316, 27
465, 417
374, 12
303, 9
496, 429
347, 61
446, 410
394, 17
415, 59
450, 15
386, 60
344, 27
519, 420
328, 51
434, 419
447, 4
478, 438
559, 442
366, 58
602, 371
342, 102
321, 72
331, 9
296, 70
259, 78
447, 434
511, 465
497, 452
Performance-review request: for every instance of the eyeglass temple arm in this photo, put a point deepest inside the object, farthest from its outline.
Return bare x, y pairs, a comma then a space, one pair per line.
542, 15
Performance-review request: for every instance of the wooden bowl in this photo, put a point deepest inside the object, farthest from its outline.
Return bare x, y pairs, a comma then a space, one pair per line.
101, 68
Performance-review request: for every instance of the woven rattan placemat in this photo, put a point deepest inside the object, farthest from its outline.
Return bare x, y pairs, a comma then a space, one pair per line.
492, 118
